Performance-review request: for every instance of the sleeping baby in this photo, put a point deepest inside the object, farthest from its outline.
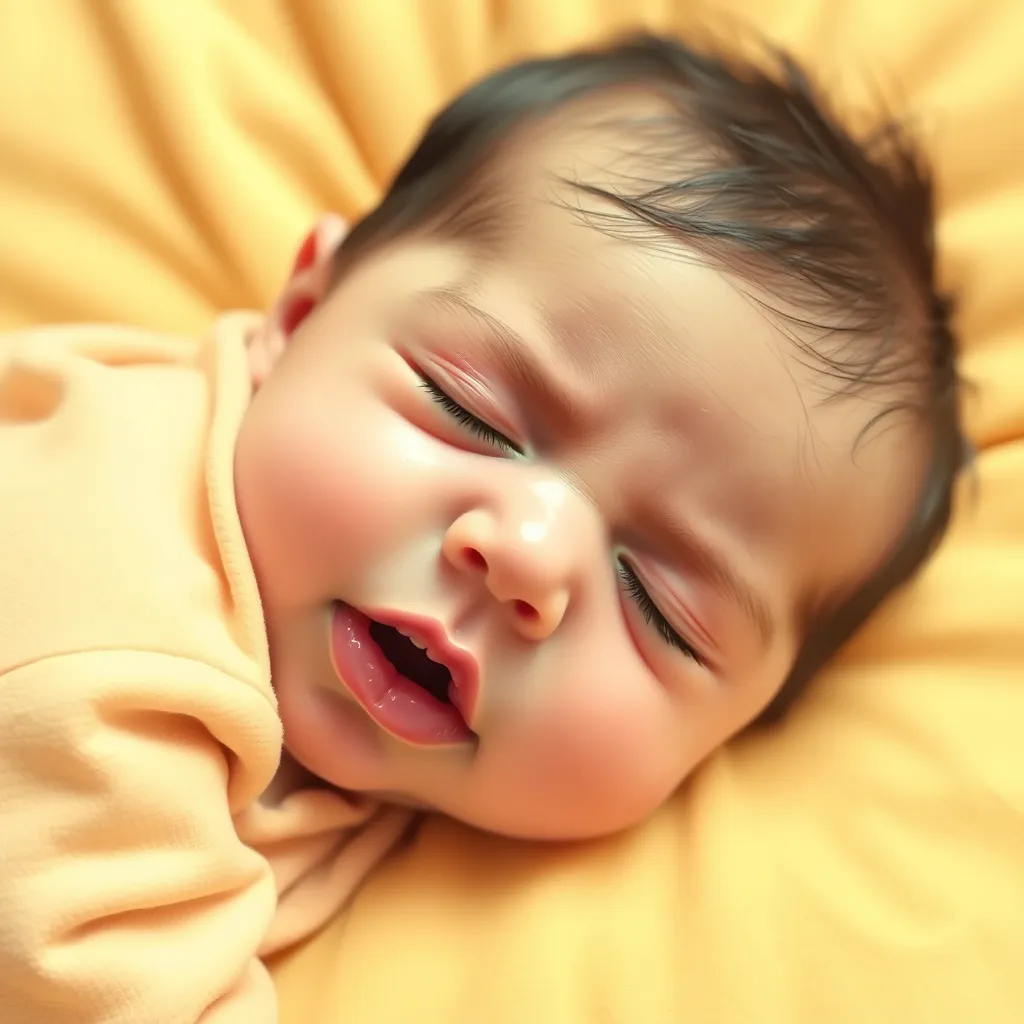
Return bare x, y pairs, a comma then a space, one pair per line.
580, 454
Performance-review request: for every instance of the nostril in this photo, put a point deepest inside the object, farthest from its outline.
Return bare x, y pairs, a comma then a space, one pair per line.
525, 611
474, 559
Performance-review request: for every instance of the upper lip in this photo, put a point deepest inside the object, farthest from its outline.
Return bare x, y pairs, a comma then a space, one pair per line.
463, 666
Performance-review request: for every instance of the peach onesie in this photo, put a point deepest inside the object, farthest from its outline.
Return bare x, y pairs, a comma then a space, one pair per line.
143, 869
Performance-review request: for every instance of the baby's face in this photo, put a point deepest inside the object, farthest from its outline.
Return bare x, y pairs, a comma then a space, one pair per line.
594, 479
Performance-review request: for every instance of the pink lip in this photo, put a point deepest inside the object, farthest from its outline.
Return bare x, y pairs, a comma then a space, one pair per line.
395, 703
465, 685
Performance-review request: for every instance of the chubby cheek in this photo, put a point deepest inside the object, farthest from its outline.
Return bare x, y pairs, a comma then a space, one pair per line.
330, 490
600, 756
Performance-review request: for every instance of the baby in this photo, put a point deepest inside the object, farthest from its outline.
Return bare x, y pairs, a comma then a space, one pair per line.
581, 453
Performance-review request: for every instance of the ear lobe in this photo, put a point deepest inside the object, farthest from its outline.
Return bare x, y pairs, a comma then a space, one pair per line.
307, 283
295, 312
311, 272
315, 257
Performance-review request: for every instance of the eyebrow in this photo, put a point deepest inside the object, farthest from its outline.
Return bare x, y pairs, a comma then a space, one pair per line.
516, 354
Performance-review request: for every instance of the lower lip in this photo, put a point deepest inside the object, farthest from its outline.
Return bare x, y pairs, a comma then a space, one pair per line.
396, 704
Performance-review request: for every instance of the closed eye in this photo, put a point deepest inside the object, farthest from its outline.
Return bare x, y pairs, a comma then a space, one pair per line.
652, 616
466, 419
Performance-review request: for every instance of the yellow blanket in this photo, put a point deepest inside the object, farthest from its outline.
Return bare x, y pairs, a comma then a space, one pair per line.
159, 161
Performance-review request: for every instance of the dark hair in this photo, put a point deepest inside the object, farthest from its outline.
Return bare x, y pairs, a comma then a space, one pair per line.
783, 193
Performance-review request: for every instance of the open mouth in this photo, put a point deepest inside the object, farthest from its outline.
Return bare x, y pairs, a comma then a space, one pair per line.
412, 661
388, 669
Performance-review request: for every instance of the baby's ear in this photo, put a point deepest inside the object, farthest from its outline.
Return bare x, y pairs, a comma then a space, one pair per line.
307, 283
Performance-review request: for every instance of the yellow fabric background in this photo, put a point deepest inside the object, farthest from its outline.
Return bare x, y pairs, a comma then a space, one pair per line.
160, 160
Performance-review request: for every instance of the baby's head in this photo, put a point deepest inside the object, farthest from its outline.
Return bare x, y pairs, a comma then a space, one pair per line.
631, 401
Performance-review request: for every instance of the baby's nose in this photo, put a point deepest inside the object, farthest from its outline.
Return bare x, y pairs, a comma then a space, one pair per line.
528, 549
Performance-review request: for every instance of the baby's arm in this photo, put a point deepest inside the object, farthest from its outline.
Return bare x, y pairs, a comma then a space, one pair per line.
125, 893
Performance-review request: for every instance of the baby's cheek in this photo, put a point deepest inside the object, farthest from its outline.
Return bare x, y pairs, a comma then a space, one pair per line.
609, 744
385, 490
344, 490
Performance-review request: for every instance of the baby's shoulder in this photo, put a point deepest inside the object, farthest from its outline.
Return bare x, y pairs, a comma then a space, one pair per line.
105, 503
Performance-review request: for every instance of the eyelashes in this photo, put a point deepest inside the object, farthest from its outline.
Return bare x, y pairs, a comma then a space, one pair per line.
652, 616
466, 419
